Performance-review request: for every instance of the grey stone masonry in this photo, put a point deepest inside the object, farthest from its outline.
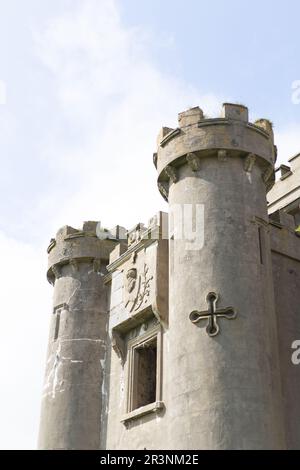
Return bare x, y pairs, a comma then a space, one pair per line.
223, 391
73, 395
183, 333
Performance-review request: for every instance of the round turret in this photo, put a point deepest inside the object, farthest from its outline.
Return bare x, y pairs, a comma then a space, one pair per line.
230, 136
223, 391
73, 400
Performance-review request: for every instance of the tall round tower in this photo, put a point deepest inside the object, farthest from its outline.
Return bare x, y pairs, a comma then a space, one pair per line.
223, 376
72, 407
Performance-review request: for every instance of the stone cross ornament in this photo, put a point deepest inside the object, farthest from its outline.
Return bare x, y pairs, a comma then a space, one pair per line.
212, 314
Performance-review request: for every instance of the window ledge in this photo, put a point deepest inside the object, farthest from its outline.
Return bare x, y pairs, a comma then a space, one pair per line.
143, 410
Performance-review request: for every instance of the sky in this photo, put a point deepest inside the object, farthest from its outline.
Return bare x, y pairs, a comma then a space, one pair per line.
85, 86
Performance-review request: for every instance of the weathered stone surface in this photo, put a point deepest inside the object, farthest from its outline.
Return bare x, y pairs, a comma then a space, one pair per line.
139, 277
231, 189
285, 248
131, 362
72, 412
235, 111
287, 190
241, 406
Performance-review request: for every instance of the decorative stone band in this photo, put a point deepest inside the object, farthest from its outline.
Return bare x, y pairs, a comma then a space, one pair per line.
51, 245
193, 160
73, 247
222, 155
171, 173
56, 271
269, 177
234, 136
170, 136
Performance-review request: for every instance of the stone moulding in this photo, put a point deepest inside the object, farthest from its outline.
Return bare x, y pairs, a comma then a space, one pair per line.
119, 331
62, 306
268, 177
157, 405
52, 245
222, 155
118, 344
258, 129
215, 122
249, 162
294, 157
259, 221
171, 173
170, 136
193, 161
55, 271
267, 174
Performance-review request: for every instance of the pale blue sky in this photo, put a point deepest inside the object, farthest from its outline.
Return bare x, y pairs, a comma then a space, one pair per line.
89, 84
247, 50
244, 52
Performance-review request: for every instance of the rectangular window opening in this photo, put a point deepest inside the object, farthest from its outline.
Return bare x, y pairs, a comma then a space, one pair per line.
57, 322
144, 374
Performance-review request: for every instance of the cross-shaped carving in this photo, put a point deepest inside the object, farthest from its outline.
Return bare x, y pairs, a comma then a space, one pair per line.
212, 314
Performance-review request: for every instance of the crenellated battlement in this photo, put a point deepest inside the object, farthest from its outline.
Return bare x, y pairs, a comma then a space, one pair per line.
72, 246
229, 136
285, 194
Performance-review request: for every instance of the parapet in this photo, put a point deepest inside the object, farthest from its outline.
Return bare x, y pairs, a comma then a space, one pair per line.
91, 244
230, 135
286, 191
141, 236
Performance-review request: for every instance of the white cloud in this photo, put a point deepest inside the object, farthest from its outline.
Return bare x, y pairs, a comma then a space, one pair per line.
116, 99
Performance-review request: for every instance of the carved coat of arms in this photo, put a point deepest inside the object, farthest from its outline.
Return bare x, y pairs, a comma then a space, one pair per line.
137, 287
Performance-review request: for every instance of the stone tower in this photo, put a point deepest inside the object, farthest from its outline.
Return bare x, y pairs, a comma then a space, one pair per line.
72, 401
225, 389
180, 334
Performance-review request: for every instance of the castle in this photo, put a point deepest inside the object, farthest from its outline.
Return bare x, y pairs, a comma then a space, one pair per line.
180, 335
